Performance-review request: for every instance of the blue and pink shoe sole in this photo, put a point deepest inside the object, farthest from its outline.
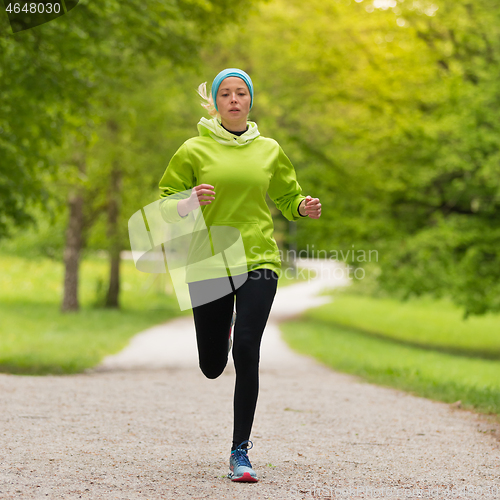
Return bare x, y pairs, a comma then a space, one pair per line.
245, 478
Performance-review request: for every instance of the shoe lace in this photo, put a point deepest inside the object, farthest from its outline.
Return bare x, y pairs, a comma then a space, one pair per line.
240, 454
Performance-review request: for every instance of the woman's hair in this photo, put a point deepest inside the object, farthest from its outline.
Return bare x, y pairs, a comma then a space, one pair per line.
209, 104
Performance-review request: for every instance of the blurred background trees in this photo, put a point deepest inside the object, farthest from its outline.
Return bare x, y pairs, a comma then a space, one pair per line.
64, 85
388, 109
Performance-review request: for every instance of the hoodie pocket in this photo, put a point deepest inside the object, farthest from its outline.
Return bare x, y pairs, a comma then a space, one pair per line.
257, 247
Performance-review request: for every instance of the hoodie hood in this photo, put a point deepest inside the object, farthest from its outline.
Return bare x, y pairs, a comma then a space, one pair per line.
212, 128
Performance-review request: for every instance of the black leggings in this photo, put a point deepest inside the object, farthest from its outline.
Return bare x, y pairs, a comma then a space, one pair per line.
212, 321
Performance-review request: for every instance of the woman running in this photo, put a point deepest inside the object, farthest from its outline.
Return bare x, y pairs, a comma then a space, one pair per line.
228, 170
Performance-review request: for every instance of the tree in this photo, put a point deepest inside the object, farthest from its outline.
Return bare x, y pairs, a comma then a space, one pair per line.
388, 111
133, 147
57, 71
449, 208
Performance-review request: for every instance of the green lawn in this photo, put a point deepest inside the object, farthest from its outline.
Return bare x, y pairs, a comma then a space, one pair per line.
421, 346
36, 338
422, 322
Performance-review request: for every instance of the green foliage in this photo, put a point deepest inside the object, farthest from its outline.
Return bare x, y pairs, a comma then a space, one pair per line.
446, 204
43, 238
56, 77
389, 115
138, 137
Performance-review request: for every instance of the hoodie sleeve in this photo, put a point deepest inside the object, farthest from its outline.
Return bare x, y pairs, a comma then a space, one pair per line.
284, 189
176, 183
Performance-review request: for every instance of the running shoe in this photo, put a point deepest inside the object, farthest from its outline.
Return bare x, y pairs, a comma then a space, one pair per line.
240, 466
230, 340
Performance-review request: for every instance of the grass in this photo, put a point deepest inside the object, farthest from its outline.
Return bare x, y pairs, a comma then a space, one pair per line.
424, 322
36, 338
421, 346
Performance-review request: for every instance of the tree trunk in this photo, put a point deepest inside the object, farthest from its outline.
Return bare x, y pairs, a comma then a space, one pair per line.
112, 298
72, 252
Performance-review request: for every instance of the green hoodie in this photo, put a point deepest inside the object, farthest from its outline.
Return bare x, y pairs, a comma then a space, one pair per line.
242, 170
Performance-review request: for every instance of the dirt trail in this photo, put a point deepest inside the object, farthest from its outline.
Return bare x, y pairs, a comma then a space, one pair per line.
147, 425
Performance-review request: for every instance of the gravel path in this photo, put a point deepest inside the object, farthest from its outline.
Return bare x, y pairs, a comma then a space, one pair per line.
150, 426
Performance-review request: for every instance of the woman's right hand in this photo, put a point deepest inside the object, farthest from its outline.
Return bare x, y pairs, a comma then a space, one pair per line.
202, 194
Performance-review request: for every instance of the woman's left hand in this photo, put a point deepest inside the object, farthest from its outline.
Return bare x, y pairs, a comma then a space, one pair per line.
311, 207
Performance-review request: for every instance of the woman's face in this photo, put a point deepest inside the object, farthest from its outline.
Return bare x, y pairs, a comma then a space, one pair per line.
233, 103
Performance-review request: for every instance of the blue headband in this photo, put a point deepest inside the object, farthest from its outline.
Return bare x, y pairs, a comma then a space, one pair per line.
231, 72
